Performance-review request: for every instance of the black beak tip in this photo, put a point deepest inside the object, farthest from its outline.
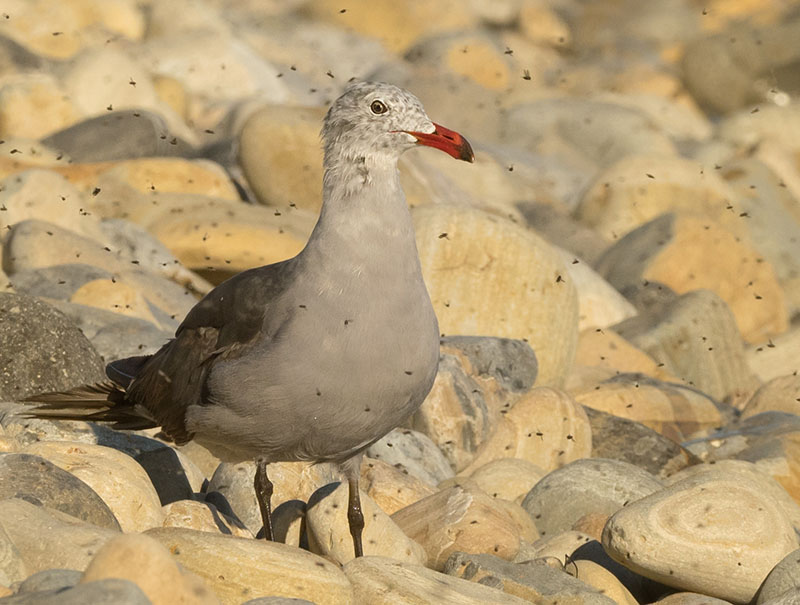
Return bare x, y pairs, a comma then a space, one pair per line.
466, 152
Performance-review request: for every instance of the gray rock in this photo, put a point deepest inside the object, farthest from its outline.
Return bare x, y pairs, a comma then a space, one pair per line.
750, 440
596, 130
589, 485
533, 581
414, 452
167, 474
113, 335
230, 489
119, 135
58, 281
790, 597
112, 591
723, 75
40, 482
561, 229
632, 442
511, 362
457, 397
136, 243
16, 58
50, 579
41, 349
783, 579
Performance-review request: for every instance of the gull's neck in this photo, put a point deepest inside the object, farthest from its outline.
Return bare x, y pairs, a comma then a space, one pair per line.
364, 212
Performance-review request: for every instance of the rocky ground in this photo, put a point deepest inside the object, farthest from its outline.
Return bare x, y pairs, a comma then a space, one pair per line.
623, 428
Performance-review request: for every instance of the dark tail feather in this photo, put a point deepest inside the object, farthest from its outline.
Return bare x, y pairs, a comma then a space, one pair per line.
100, 402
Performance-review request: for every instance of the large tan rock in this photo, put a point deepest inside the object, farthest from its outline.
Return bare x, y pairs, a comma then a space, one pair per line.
599, 304
457, 414
35, 244
116, 477
696, 338
281, 156
779, 357
329, 535
639, 188
390, 487
509, 478
489, 276
233, 70
396, 25
540, 23
590, 486
165, 175
98, 80
209, 233
115, 296
146, 563
608, 350
430, 177
674, 411
239, 569
60, 29
488, 183
382, 581
33, 106
720, 537
45, 195
465, 55
459, 519
545, 426
202, 516
687, 253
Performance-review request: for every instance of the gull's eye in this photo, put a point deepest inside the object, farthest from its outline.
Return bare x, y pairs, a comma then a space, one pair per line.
378, 107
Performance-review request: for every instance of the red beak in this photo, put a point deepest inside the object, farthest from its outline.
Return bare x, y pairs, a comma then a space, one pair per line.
448, 141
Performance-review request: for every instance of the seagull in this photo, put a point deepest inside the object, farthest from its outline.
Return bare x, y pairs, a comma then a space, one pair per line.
314, 358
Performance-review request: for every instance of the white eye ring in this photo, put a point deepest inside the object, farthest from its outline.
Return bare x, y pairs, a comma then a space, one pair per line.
378, 107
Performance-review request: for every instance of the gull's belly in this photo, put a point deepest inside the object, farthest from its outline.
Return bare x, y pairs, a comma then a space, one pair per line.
367, 378
327, 385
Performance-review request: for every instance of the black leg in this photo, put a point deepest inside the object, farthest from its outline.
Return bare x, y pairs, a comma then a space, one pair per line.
264, 494
354, 516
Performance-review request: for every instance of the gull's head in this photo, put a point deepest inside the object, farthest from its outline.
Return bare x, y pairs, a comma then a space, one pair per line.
377, 119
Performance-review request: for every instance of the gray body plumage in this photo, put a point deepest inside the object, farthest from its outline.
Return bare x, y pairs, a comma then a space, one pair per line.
348, 344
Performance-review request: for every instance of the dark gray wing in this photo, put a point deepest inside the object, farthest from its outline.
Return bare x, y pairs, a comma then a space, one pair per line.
224, 324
